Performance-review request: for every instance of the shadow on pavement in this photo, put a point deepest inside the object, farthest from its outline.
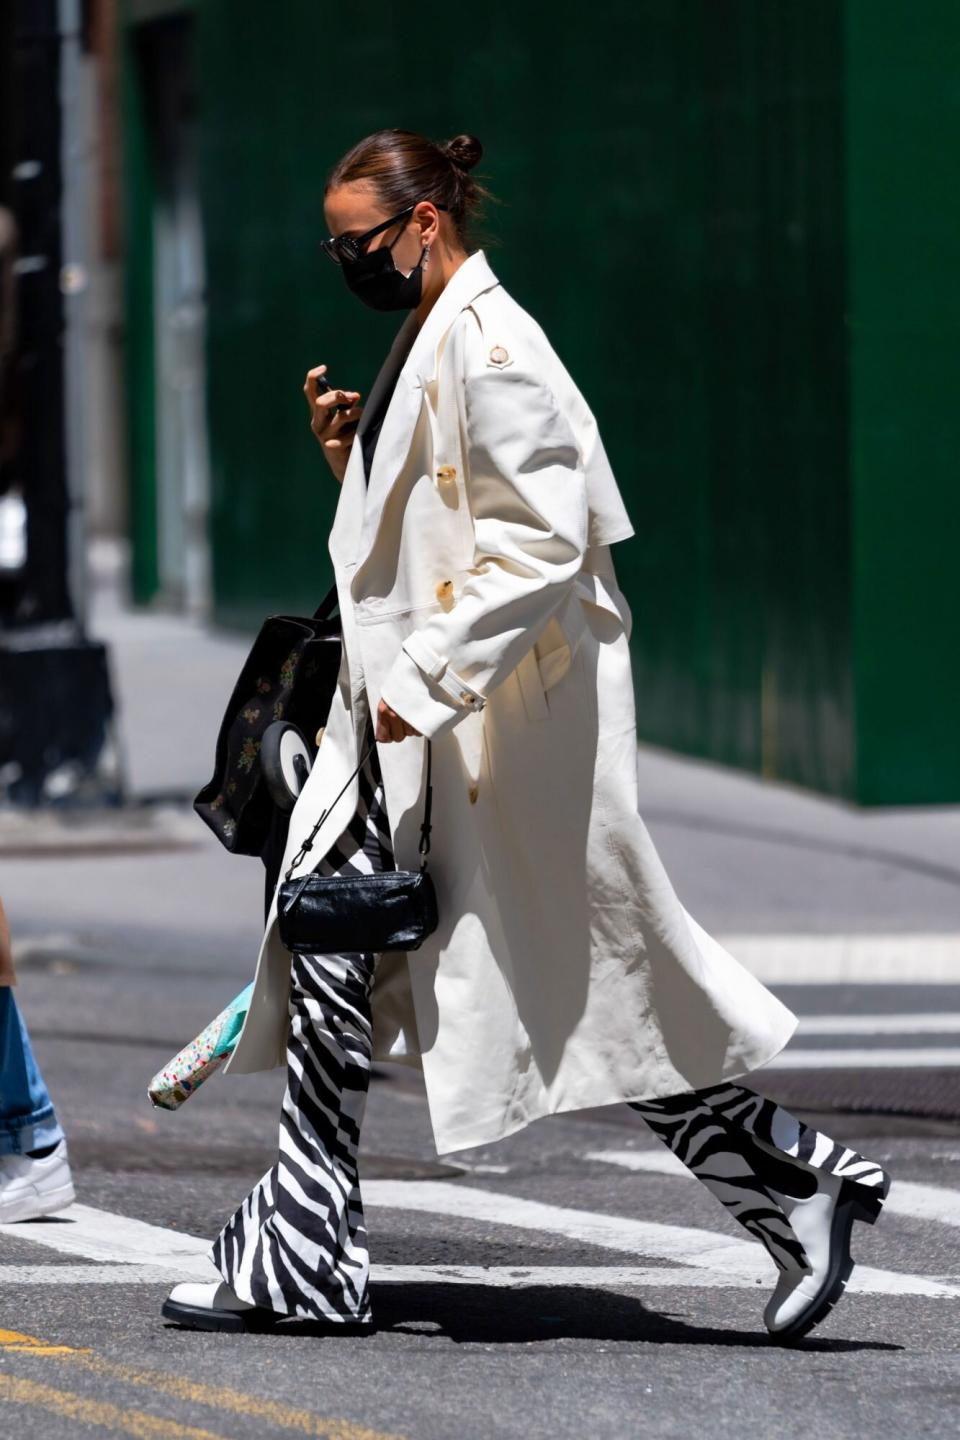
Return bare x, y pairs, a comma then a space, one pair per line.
487, 1315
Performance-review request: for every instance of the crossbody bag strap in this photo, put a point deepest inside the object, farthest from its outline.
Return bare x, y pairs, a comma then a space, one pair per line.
326, 605
425, 827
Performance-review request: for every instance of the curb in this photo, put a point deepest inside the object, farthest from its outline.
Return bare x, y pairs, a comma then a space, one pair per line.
127, 829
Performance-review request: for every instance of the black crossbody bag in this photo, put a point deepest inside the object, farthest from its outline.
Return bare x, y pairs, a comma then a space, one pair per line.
340, 914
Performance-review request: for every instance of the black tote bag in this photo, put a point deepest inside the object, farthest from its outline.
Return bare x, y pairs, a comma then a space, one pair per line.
290, 674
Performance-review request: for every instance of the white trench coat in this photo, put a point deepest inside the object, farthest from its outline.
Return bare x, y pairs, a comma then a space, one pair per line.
478, 598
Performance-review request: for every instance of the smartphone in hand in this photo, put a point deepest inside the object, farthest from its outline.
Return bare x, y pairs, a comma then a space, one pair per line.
323, 385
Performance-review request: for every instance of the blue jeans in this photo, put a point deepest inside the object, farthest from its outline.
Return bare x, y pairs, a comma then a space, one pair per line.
27, 1121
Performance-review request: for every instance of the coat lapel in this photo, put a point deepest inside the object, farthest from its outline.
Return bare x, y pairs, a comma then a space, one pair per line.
417, 370
349, 514
387, 374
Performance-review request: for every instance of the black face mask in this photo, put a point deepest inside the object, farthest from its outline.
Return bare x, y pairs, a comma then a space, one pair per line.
378, 282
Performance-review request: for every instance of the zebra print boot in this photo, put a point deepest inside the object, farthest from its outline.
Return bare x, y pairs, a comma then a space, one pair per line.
848, 1187
724, 1160
792, 1187
823, 1222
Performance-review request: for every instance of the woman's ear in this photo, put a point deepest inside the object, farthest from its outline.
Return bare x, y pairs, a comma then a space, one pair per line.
428, 217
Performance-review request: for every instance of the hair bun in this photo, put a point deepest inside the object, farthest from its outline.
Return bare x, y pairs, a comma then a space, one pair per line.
464, 150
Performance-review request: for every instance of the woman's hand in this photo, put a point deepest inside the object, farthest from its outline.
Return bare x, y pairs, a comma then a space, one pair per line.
390, 725
334, 432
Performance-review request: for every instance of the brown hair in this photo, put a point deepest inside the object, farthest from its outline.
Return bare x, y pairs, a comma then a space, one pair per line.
404, 167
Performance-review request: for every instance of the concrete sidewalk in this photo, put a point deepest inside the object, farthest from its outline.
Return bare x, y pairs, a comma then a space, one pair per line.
799, 886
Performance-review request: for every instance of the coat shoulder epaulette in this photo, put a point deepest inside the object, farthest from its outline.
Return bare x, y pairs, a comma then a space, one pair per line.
499, 338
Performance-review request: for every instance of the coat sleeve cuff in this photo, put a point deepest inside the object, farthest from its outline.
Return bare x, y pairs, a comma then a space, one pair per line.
421, 699
418, 699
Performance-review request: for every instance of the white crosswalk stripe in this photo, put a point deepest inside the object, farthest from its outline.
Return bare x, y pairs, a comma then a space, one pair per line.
860, 1058
93, 1234
914, 957
703, 1250
595, 1277
837, 1042
946, 1024
130, 1251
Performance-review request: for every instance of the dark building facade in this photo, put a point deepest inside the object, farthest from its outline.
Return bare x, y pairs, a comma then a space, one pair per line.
737, 222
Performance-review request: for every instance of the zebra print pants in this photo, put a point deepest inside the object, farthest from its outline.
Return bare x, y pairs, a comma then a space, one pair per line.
298, 1243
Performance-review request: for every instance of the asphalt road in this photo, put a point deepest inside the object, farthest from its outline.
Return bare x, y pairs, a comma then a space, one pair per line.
563, 1282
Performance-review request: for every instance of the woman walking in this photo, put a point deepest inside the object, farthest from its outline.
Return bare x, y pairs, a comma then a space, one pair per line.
480, 609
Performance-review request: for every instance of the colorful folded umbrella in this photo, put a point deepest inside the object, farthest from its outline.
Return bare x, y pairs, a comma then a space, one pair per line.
196, 1062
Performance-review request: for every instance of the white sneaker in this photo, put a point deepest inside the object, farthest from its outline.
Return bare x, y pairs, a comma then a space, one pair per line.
30, 1188
822, 1222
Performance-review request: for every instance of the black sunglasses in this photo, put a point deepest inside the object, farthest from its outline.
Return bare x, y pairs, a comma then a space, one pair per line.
348, 247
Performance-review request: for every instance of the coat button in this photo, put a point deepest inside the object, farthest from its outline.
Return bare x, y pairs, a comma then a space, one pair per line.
445, 590
446, 473
467, 698
473, 792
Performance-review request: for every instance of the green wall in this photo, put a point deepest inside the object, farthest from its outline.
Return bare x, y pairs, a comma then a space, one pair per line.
699, 205
139, 367
903, 209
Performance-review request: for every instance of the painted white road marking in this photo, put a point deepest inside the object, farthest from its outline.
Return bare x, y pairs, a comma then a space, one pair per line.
614, 1277
703, 1257
99, 1274
98, 1235
790, 959
680, 1244
654, 1162
906, 1197
940, 1057
702, 1249
945, 1024
594, 1277
116, 1239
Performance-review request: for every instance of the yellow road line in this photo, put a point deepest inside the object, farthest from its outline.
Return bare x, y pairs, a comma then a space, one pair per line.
97, 1412
30, 1345
274, 1412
